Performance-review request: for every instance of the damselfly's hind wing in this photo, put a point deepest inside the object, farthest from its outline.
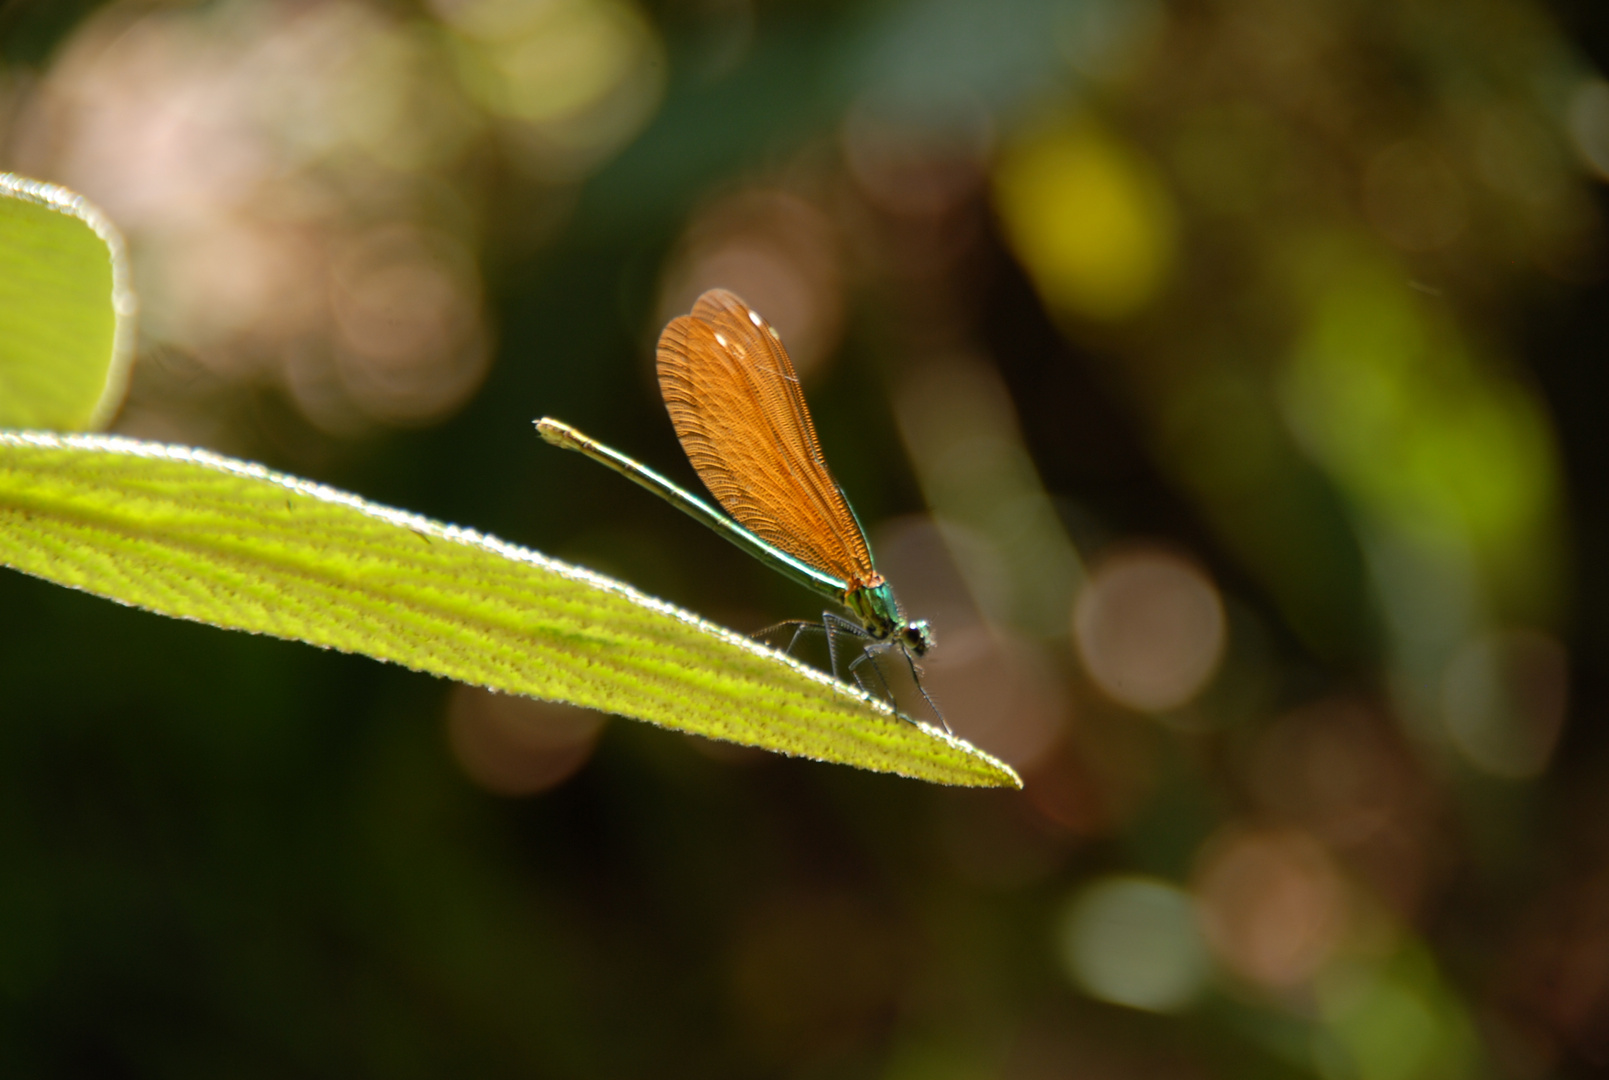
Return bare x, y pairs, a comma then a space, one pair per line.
736, 405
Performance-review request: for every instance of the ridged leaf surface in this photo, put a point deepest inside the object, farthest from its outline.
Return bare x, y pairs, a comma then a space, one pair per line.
194, 535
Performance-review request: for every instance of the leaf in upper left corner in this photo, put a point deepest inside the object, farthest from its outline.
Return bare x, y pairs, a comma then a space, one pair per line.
66, 310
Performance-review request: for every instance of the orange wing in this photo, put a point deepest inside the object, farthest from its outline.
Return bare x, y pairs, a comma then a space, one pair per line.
735, 403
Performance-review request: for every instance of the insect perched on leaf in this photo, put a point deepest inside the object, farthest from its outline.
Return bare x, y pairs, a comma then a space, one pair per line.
735, 403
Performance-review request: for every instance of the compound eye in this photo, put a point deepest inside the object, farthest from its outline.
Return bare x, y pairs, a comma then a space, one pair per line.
918, 637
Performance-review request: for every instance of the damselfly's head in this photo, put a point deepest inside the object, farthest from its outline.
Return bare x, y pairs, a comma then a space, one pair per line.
917, 637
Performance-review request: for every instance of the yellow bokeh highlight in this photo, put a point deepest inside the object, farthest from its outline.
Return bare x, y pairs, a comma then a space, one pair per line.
1089, 218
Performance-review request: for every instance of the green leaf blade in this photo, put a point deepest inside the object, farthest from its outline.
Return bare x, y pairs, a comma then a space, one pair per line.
66, 309
194, 535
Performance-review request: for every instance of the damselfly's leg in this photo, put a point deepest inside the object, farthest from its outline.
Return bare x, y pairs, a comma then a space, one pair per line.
800, 627
916, 677
888, 691
832, 623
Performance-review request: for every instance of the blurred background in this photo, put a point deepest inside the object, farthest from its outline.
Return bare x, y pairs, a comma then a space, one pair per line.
1221, 377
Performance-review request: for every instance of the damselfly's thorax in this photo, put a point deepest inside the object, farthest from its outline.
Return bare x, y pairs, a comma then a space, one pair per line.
879, 614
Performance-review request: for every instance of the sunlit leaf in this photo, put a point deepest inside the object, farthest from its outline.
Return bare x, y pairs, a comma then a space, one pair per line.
66, 312
186, 533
